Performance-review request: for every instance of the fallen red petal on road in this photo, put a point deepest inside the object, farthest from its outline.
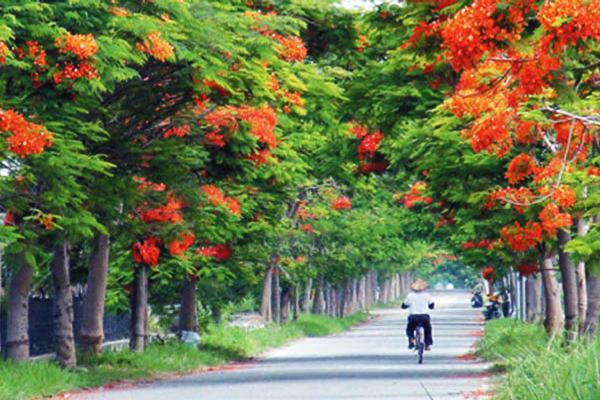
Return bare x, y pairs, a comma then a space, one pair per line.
478, 394
468, 356
475, 334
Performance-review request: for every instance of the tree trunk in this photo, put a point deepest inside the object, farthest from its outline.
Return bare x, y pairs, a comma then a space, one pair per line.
569, 284
285, 305
139, 310
319, 300
362, 293
92, 329
533, 298
375, 286
368, 290
17, 338
383, 292
63, 307
265, 307
355, 290
332, 303
306, 301
348, 296
275, 296
554, 312
296, 294
593, 299
593, 308
188, 312
582, 228
402, 284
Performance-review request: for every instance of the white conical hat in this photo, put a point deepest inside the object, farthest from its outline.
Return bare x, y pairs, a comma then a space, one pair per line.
418, 285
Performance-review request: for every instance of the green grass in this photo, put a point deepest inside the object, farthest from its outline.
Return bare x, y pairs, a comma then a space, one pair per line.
218, 346
538, 368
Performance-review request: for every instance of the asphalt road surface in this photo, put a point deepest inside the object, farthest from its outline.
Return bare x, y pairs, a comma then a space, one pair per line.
371, 362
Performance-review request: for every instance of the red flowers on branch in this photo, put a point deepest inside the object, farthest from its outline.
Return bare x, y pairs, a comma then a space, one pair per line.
341, 203
146, 252
520, 167
177, 247
219, 251
156, 46
307, 228
472, 245
552, 219
527, 269
216, 197
522, 238
27, 138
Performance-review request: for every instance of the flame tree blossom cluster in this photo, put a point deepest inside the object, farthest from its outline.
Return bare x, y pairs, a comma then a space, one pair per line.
341, 203
367, 148
217, 198
219, 251
414, 195
505, 75
262, 122
291, 48
26, 137
156, 46
84, 48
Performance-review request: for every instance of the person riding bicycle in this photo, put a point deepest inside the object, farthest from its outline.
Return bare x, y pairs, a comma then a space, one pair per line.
419, 302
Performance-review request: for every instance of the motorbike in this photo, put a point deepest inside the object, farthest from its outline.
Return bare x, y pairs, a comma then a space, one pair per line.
477, 300
492, 311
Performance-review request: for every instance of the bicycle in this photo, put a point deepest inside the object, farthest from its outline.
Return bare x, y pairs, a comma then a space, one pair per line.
419, 344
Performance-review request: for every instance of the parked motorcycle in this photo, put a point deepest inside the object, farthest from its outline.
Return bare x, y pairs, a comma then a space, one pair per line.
477, 300
492, 311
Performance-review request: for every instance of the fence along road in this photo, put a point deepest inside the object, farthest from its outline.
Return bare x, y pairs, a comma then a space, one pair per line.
371, 362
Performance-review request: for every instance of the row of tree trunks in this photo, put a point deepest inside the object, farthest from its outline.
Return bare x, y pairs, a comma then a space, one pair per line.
347, 298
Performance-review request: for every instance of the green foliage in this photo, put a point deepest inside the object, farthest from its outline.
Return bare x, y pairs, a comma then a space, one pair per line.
537, 369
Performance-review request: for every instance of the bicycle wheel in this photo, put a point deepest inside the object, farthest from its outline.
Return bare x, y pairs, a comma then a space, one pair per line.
419, 344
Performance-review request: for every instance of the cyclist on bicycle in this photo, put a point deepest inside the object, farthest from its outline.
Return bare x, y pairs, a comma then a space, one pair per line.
420, 303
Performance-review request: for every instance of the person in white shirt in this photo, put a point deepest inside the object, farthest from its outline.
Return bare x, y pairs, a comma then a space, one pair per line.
419, 303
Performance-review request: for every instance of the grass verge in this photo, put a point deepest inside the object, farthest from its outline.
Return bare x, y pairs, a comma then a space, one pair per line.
538, 368
218, 346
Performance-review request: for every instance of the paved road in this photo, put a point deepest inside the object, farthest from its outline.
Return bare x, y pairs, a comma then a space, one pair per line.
369, 362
